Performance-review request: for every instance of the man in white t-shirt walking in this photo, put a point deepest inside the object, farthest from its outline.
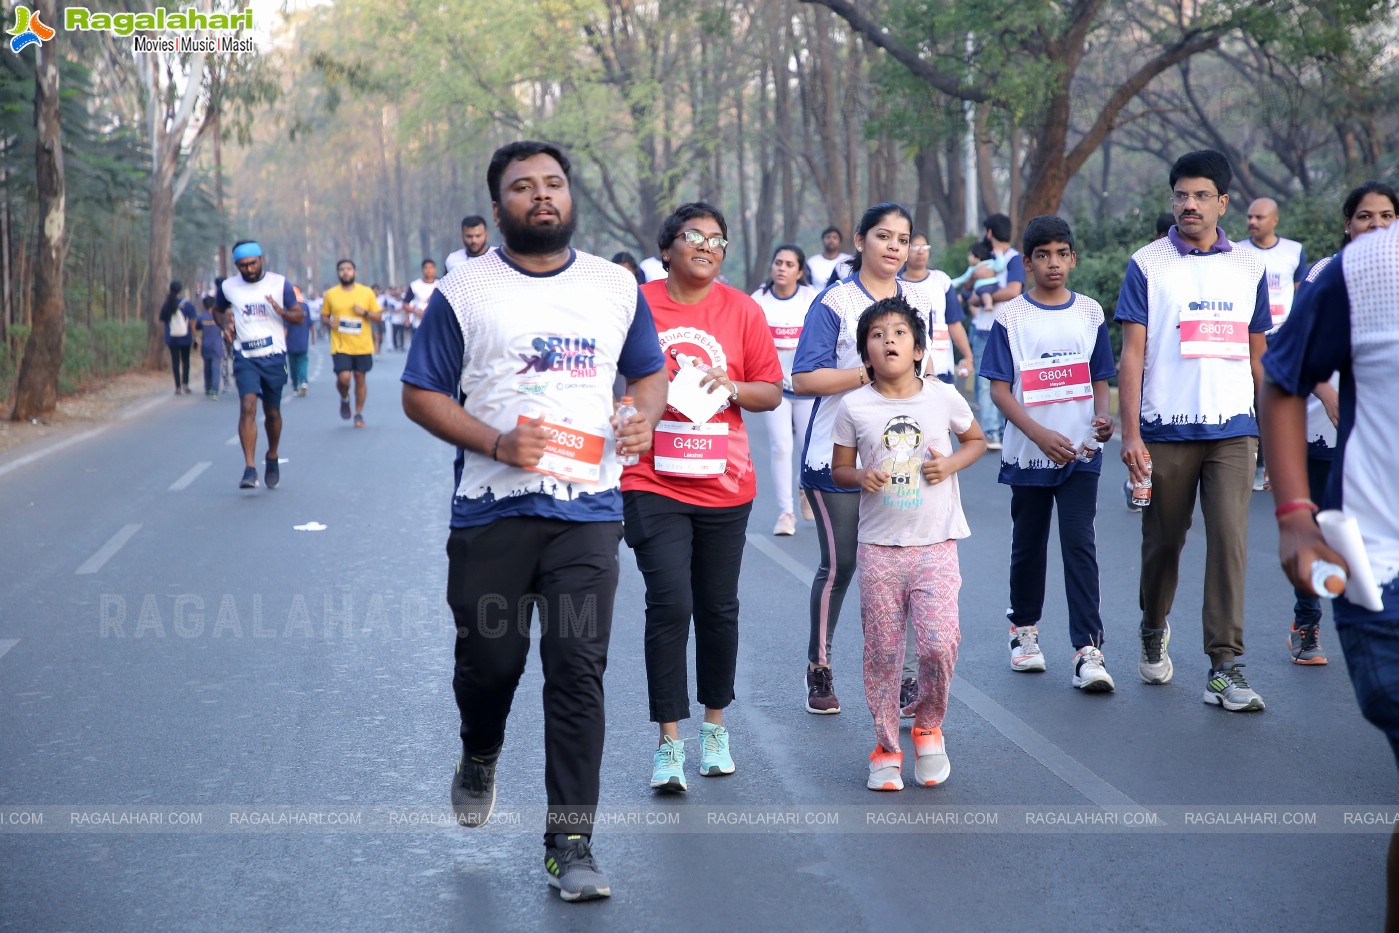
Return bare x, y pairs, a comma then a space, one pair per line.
1194, 310
415, 300
1286, 262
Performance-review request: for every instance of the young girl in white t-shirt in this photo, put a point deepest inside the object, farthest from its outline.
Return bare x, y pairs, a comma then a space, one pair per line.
900, 427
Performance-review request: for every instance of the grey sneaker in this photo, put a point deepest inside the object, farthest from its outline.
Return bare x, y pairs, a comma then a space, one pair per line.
573, 870
1228, 688
1304, 643
1260, 479
1155, 664
473, 790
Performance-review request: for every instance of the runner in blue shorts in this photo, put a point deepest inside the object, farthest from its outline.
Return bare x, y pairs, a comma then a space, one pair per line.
253, 308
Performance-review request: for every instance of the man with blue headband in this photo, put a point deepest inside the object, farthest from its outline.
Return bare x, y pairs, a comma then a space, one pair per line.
262, 304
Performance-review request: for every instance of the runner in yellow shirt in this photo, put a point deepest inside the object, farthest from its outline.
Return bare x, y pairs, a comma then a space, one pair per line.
349, 311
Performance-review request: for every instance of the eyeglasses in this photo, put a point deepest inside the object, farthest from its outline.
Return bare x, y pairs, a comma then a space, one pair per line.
918, 249
1199, 197
697, 239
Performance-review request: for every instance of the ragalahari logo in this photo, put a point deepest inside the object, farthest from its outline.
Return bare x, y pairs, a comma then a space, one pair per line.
28, 30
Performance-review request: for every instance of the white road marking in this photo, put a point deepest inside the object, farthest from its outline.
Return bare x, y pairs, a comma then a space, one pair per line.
6, 644
108, 550
1059, 762
143, 408
231, 441
52, 448
190, 476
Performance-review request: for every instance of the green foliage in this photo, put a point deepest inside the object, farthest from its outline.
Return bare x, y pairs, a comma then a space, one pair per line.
107, 348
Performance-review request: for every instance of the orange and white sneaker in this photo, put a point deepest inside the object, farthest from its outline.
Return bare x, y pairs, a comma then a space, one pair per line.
930, 764
885, 770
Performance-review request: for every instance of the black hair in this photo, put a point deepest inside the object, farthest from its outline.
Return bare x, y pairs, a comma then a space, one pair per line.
208, 302
176, 286
341, 262
981, 250
426, 261
1203, 163
518, 151
172, 300
625, 258
801, 265
833, 229
999, 225
1046, 228
883, 308
1357, 194
243, 242
670, 227
871, 217
1164, 222
475, 220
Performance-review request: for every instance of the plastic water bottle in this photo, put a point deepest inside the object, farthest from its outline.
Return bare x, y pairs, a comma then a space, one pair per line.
1328, 579
1141, 490
1089, 448
624, 413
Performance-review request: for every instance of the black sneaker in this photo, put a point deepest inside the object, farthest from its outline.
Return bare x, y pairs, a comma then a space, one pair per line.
908, 697
473, 790
573, 870
272, 475
821, 692
345, 409
249, 480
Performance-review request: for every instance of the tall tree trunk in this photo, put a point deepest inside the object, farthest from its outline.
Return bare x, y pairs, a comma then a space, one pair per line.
37, 391
218, 194
162, 207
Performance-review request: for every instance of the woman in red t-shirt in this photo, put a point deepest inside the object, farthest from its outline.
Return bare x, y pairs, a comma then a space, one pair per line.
686, 503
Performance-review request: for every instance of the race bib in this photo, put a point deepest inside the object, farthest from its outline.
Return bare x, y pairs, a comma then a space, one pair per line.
942, 339
684, 448
570, 453
1279, 314
257, 344
1055, 379
348, 326
1213, 334
785, 337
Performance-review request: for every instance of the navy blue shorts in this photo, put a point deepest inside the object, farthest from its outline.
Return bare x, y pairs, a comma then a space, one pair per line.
352, 362
1372, 656
264, 376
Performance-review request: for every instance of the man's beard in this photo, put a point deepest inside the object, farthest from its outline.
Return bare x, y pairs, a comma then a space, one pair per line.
347, 282
529, 239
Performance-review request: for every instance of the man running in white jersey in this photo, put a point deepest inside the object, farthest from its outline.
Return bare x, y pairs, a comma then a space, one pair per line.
474, 242
261, 303
526, 398
831, 261
415, 302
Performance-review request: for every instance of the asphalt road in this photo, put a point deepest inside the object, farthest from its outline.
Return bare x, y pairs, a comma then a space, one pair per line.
210, 720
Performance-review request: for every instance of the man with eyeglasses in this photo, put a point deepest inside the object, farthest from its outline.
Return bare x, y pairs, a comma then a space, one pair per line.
1194, 311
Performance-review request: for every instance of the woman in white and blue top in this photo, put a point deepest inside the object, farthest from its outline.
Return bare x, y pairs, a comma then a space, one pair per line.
785, 298
827, 365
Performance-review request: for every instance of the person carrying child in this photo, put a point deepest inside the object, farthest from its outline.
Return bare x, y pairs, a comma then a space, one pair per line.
983, 267
1049, 359
900, 426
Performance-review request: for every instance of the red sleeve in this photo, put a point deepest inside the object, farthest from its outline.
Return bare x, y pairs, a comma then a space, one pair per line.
760, 362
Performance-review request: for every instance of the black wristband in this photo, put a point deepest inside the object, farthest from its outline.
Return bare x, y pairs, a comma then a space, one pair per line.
495, 448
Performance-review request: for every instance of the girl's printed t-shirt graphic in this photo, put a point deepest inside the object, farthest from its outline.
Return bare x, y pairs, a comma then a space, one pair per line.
709, 463
902, 458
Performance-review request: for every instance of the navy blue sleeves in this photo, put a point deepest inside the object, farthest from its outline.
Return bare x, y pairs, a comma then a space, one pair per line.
1262, 311
641, 353
1314, 341
438, 350
954, 313
816, 348
1100, 364
1131, 300
996, 361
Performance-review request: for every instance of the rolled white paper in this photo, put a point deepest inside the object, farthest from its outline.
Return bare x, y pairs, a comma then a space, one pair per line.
1342, 535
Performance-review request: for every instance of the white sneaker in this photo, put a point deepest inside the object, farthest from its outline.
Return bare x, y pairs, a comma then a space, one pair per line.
1025, 653
1260, 479
993, 445
1090, 675
786, 524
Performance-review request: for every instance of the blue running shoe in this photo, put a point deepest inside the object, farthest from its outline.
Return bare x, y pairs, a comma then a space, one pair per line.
668, 767
714, 751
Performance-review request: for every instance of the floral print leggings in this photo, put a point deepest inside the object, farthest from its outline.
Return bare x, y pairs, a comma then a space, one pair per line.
902, 586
